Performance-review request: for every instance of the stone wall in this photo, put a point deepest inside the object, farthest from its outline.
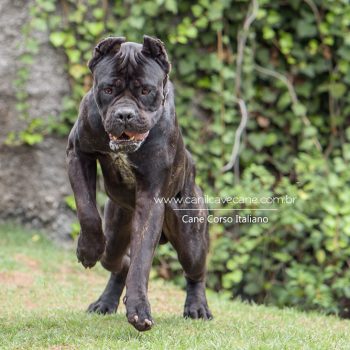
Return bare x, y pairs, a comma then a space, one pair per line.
33, 180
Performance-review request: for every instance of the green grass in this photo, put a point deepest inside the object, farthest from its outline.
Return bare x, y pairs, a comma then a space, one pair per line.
44, 292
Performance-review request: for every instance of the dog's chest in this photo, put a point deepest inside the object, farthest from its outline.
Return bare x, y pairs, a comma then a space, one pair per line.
125, 168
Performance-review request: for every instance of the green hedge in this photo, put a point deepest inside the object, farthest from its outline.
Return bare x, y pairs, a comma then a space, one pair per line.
295, 80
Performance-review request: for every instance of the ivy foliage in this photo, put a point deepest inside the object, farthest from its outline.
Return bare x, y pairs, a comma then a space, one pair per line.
295, 81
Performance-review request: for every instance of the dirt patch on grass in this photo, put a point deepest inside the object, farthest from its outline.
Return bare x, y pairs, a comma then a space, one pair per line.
28, 261
67, 272
30, 305
165, 298
16, 279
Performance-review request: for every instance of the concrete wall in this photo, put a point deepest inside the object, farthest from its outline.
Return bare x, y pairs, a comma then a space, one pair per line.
33, 180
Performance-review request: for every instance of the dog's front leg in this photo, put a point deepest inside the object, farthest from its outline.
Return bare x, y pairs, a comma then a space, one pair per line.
82, 176
146, 229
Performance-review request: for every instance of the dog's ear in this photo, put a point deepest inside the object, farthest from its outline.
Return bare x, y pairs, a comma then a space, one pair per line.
104, 47
155, 48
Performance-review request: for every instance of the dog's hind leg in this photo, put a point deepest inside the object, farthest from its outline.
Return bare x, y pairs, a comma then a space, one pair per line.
115, 258
108, 302
191, 242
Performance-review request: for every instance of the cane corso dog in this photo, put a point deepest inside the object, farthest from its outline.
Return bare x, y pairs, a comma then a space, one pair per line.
127, 123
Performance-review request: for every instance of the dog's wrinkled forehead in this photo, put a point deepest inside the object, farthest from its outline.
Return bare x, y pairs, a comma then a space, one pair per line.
129, 62
130, 55
114, 56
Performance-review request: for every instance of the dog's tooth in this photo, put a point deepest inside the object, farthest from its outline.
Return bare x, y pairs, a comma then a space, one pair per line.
132, 138
136, 318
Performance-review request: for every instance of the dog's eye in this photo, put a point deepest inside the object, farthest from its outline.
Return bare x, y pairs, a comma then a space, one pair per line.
108, 91
145, 91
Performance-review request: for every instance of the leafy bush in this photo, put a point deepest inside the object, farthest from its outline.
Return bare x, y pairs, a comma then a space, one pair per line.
295, 76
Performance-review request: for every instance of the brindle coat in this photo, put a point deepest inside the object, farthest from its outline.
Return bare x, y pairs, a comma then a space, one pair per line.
132, 93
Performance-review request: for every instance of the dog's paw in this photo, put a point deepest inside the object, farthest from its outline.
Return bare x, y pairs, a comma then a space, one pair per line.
90, 249
197, 308
138, 314
103, 307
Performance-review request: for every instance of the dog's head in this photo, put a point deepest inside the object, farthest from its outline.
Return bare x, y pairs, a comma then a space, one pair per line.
129, 88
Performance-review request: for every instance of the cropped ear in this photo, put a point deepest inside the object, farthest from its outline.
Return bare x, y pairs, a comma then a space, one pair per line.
104, 47
155, 49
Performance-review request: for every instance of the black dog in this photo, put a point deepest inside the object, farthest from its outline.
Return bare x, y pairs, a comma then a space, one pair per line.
127, 122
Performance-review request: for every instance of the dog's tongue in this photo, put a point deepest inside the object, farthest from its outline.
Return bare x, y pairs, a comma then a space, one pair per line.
136, 136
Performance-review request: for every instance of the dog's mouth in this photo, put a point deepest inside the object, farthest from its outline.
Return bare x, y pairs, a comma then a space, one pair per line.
128, 141
129, 136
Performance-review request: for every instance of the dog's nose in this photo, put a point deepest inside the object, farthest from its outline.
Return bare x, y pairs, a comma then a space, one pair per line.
125, 114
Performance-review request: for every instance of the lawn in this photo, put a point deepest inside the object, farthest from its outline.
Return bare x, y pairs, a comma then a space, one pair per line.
44, 293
